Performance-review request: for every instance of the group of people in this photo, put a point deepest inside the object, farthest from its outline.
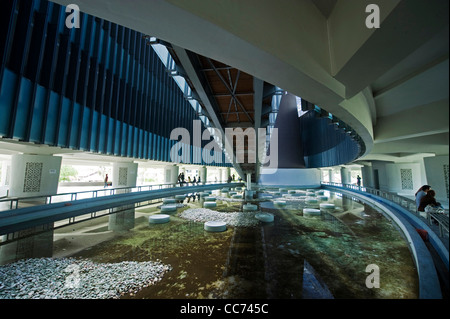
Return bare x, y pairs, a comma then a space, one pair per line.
426, 196
181, 179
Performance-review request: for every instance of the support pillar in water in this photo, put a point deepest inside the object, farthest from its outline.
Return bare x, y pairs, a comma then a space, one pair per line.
36, 242
124, 175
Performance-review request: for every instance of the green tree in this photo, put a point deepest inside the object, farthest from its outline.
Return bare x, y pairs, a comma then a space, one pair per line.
67, 172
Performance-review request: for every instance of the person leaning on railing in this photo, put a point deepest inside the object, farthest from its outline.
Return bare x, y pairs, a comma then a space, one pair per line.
421, 193
428, 199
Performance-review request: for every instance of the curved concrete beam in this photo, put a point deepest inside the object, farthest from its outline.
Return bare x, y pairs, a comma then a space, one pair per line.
285, 45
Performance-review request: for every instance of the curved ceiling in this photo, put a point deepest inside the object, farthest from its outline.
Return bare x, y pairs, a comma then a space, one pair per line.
376, 80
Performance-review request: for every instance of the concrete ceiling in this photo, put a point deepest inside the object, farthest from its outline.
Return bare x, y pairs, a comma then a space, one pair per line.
389, 84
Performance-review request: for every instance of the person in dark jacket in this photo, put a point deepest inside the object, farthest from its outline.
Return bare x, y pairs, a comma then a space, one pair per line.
428, 199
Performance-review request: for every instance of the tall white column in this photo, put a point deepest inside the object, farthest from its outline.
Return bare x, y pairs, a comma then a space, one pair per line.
345, 175
249, 181
34, 175
124, 175
171, 174
203, 174
367, 176
31, 175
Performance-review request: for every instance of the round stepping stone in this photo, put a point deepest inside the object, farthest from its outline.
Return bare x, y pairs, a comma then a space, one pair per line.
232, 193
210, 199
169, 201
327, 206
215, 226
322, 197
237, 196
276, 193
283, 190
159, 219
209, 204
264, 217
168, 208
249, 207
311, 212
319, 192
204, 194
310, 200
279, 203
180, 197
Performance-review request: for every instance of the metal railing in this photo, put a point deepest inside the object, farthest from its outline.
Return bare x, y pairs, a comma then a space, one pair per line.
14, 202
442, 219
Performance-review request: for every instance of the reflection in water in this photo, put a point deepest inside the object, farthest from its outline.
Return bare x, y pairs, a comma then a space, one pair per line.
293, 257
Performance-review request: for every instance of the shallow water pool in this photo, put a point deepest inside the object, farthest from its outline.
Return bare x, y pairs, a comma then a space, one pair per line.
295, 256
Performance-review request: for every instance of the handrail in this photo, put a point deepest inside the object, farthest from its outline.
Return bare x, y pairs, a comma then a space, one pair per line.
106, 191
404, 202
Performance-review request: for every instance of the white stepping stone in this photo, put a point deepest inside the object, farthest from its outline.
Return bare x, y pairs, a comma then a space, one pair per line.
264, 217
310, 200
168, 208
279, 203
249, 207
169, 201
311, 212
215, 226
328, 207
209, 204
159, 219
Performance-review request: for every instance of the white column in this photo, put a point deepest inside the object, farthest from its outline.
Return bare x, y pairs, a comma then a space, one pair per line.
367, 176
124, 175
171, 174
203, 174
34, 175
345, 175
31, 175
249, 181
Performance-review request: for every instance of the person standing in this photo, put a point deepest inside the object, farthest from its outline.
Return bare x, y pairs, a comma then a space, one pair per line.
358, 180
106, 180
421, 193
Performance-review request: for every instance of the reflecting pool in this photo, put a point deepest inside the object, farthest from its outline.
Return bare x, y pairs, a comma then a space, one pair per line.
298, 255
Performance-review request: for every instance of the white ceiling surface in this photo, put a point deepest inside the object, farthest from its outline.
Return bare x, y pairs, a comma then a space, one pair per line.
390, 84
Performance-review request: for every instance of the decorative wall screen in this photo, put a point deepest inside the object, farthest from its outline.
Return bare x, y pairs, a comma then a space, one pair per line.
123, 172
32, 180
407, 178
8, 175
446, 177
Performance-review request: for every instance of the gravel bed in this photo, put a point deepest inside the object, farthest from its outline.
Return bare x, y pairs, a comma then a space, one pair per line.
237, 219
70, 278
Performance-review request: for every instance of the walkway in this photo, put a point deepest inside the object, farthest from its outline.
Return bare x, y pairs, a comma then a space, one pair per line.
97, 200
